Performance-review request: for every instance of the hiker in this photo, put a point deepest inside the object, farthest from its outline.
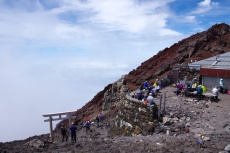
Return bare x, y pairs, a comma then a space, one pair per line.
199, 92
215, 92
179, 89
162, 83
101, 117
155, 84
203, 89
150, 88
187, 89
146, 85
155, 112
194, 86
158, 83
145, 94
139, 95
150, 99
64, 133
73, 131
87, 126
97, 120
154, 92
157, 88
221, 83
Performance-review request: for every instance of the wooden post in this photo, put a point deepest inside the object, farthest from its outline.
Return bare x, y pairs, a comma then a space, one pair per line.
70, 119
51, 129
164, 101
160, 106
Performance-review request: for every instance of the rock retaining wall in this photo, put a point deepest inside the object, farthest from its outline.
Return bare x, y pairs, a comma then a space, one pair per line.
133, 118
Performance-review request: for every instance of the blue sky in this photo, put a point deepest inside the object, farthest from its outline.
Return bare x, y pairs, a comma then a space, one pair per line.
57, 54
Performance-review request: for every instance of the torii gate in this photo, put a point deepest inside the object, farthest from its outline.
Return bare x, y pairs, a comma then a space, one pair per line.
69, 115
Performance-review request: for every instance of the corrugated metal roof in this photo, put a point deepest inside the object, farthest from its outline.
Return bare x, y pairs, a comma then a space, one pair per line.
219, 61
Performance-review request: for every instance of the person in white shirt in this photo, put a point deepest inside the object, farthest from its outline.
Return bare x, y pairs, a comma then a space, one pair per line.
215, 91
150, 99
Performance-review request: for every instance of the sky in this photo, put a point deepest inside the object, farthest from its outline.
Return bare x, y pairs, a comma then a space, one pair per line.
56, 55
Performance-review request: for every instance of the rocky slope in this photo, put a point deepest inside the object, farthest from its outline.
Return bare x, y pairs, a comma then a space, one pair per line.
125, 117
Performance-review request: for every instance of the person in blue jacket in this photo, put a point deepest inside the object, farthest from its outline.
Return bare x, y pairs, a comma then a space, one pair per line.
73, 130
87, 126
199, 92
146, 85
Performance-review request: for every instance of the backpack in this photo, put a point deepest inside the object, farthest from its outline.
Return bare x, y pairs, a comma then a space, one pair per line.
199, 90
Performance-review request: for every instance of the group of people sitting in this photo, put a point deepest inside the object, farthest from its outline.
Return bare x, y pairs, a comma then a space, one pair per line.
187, 87
147, 93
200, 89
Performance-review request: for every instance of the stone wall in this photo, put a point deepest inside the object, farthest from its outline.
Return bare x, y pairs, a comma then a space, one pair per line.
114, 95
133, 118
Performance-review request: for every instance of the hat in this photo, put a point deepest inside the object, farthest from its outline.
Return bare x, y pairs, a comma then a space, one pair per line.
221, 79
150, 93
72, 123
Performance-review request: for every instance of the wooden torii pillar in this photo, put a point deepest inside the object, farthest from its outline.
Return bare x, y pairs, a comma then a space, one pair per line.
68, 115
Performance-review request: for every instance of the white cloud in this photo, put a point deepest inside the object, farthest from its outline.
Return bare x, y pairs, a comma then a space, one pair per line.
205, 6
129, 15
190, 18
98, 22
198, 29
